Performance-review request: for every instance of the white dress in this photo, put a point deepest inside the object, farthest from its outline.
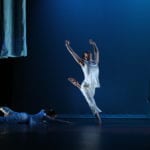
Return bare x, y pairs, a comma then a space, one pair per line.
90, 82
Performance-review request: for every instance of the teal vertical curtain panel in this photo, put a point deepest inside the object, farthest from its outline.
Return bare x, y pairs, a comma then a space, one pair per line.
13, 28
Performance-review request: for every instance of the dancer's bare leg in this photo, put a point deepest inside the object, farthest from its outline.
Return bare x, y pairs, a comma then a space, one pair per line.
75, 82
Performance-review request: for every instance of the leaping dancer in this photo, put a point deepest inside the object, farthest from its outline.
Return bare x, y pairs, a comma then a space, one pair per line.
90, 68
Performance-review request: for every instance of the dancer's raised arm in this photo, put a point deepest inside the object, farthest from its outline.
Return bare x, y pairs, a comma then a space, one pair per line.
74, 55
96, 51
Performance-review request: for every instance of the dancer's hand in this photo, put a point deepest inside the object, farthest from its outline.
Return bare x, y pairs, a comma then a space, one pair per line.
67, 42
91, 42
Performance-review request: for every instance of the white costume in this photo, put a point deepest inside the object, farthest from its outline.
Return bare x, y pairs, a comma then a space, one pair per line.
90, 82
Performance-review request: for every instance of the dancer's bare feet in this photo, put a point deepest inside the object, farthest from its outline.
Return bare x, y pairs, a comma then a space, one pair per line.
75, 82
98, 118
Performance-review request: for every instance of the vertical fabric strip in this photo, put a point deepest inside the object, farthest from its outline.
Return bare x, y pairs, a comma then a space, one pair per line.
7, 23
13, 41
24, 52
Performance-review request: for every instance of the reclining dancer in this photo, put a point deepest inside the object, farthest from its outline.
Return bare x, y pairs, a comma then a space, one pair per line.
90, 70
11, 116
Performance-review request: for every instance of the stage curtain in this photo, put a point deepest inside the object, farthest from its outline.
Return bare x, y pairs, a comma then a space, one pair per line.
13, 28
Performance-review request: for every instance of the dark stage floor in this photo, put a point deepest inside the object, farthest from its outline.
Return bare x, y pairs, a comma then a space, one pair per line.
83, 134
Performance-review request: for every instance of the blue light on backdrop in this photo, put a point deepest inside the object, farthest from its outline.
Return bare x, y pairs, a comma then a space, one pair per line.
121, 30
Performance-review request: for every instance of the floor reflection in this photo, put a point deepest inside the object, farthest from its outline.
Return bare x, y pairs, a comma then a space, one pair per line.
114, 134
90, 141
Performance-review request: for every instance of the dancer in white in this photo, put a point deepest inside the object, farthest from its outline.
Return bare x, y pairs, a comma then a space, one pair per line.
90, 70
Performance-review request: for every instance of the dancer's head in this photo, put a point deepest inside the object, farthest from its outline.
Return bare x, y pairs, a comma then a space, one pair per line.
51, 113
87, 56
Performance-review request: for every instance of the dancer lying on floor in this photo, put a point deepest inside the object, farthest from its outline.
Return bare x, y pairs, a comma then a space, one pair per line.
90, 70
11, 116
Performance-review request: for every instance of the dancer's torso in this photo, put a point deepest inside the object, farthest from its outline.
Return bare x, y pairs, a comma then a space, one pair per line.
91, 74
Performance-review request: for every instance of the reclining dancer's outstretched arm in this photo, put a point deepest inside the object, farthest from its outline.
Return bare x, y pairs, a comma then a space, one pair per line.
96, 51
74, 55
55, 120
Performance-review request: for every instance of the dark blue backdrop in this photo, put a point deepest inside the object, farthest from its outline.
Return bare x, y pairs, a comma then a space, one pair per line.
121, 29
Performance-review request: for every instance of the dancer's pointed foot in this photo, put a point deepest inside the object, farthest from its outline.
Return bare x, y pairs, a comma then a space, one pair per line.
98, 118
